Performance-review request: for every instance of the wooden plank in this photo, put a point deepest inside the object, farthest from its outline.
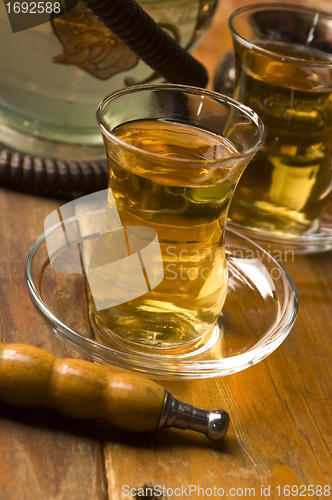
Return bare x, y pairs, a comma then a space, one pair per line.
42, 455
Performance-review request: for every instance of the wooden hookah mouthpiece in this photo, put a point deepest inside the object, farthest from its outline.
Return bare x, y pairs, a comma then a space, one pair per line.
33, 378
136, 29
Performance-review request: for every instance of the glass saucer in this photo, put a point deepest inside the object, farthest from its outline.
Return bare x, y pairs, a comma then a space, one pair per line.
259, 312
317, 239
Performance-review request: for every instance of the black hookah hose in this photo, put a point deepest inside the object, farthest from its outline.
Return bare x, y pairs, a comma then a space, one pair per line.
24, 172
136, 29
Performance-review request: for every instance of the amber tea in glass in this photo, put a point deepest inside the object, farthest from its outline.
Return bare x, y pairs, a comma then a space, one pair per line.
284, 72
175, 155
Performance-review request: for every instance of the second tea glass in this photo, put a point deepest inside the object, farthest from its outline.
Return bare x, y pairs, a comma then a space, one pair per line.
283, 57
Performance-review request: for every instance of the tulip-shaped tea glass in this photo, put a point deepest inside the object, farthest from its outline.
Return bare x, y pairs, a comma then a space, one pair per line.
158, 277
283, 56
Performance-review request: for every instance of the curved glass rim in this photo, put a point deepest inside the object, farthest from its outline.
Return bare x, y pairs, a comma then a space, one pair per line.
221, 98
277, 7
159, 365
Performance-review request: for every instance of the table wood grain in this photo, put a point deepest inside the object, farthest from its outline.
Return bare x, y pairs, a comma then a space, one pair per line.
280, 409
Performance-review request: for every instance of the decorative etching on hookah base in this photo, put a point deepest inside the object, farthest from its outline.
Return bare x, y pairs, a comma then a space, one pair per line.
88, 44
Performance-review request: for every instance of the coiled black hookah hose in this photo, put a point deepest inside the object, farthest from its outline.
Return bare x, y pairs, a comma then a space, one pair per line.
48, 176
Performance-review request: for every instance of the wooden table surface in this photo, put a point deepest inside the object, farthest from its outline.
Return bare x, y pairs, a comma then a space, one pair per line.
280, 409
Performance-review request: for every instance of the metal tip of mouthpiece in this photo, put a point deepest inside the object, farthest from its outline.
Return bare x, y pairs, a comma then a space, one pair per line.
214, 424
218, 425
